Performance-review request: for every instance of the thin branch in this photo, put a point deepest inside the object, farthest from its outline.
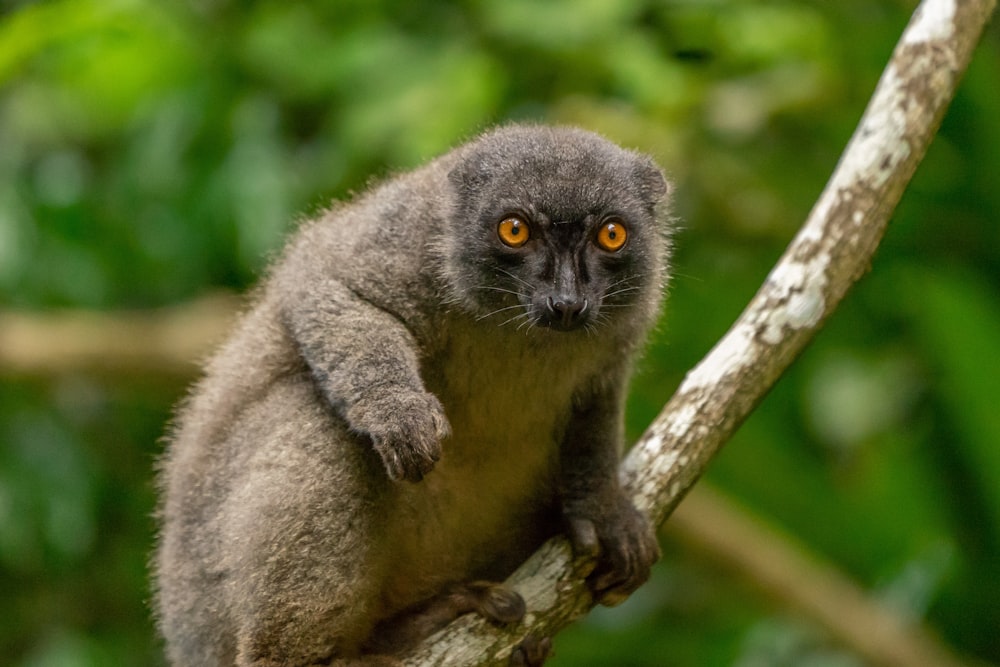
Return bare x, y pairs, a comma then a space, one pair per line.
792, 575
166, 341
830, 253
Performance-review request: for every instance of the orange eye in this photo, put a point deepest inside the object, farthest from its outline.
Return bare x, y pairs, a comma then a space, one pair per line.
612, 236
513, 232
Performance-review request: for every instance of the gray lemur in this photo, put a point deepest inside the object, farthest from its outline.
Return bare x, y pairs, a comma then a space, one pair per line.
429, 384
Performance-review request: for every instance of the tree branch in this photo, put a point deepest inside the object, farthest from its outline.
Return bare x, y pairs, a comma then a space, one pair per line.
830, 253
166, 341
786, 571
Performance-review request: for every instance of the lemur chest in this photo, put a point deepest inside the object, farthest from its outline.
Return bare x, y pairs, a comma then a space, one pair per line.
480, 507
508, 403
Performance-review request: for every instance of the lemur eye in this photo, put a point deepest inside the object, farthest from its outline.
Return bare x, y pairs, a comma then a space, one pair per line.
513, 231
612, 235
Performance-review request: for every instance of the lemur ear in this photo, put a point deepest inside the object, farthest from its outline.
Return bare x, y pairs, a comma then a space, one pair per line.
470, 174
653, 184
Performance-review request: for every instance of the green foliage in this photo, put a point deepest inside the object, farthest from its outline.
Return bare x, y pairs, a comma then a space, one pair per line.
152, 151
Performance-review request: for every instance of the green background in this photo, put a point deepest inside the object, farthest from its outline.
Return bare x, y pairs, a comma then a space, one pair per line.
153, 151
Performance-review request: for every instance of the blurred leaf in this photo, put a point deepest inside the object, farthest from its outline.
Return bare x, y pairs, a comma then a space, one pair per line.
957, 317
95, 62
557, 26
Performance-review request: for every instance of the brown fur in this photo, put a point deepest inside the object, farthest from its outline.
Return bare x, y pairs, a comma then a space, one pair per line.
378, 440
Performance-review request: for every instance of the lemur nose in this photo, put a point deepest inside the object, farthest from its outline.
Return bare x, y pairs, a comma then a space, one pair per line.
567, 311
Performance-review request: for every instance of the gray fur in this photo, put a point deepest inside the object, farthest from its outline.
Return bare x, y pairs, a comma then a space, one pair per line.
395, 416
